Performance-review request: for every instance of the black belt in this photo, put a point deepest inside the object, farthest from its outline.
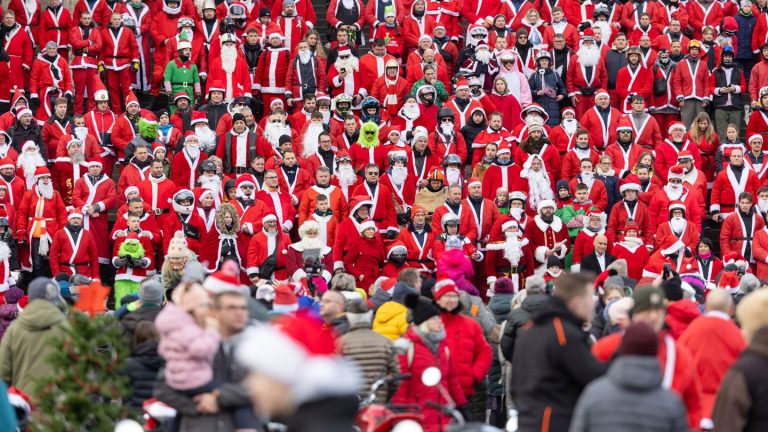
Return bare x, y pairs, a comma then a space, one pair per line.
509, 270
183, 84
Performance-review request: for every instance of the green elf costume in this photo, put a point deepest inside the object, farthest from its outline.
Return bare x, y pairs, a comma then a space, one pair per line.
181, 74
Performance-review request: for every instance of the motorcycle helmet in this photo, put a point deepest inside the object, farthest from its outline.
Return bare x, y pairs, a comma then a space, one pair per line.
370, 103
342, 104
185, 22
207, 165
449, 219
444, 113
184, 201
451, 159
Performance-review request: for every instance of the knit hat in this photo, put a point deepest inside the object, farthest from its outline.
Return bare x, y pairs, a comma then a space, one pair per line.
178, 248
400, 292
421, 308
639, 339
443, 287
266, 293
13, 295
220, 282
647, 297
47, 289
151, 292
285, 300
673, 289
619, 309
554, 261
533, 283
237, 117
504, 285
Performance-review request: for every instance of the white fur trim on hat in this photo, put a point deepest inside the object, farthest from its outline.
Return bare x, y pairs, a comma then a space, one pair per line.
475, 182
676, 206
755, 137
74, 215
130, 189
24, 111
509, 224
269, 218
630, 186
602, 93
546, 203
517, 195
366, 225
27, 145
95, 163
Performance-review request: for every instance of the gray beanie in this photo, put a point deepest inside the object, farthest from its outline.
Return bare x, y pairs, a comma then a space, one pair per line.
47, 289
151, 292
614, 280
535, 285
748, 283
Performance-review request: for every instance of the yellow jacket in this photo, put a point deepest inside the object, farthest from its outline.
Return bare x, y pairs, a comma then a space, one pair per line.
390, 320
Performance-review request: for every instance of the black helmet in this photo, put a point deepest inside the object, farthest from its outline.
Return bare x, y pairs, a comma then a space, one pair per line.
3, 222
228, 185
443, 113
451, 159
227, 25
207, 165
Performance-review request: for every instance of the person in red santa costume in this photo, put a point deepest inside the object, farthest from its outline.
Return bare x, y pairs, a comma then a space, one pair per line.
536, 143
675, 191
126, 126
401, 182
122, 52
584, 245
630, 209
597, 192
68, 170
182, 217
446, 140
548, 235
359, 212
322, 185
136, 170
677, 231
310, 233
99, 124
390, 88
156, 189
383, 211
418, 239
563, 136
510, 257
163, 28
344, 76
694, 178
86, 44
633, 79
94, 194
630, 247
292, 178
277, 200
40, 214
494, 133
73, 249
272, 69
755, 158
50, 78
587, 75
601, 121
624, 152
206, 202
146, 220
483, 212
251, 210
667, 153
536, 182
740, 228
365, 255
20, 48
571, 165
267, 252
186, 162
224, 242
729, 183
28, 162
15, 186
232, 70
53, 129
454, 205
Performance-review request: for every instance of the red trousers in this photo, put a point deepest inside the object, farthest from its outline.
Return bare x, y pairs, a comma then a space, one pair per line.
119, 84
584, 104
158, 71
664, 120
83, 81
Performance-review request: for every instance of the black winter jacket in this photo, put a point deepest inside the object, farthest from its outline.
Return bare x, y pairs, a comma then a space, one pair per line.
550, 79
142, 368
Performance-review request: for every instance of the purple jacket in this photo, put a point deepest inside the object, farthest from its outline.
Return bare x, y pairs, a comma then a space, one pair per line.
8, 314
187, 348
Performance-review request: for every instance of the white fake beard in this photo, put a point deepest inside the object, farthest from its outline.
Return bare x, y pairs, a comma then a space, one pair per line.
350, 64
398, 175
326, 117
240, 194
304, 56
213, 182
29, 163
273, 132
678, 225
4, 149
207, 138
589, 55
762, 205
483, 56
411, 111
310, 243
513, 247
46, 189
673, 191
446, 128
346, 176
228, 58
77, 157
81, 133
570, 125
539, 187
192, 151
310, 139
588, 179
453, 175
516, 212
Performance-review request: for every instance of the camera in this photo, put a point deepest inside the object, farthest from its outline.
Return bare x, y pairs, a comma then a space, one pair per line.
312, 266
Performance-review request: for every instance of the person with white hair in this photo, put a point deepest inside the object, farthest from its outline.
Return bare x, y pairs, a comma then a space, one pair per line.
539, 183
582, 82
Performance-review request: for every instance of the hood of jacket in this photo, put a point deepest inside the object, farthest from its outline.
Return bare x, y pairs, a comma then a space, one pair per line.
9, 311
500, 305
534, 303
223, 209
40, 315
390, 311
639, 373
146, 354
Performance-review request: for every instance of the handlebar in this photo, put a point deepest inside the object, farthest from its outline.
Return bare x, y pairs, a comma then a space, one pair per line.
389, 379
448, 409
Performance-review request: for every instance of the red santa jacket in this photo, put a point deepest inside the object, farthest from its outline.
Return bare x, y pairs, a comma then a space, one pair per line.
52, 131
562, 140
72, 254
659, 206
279, 203
583, 246
46, 74
647, 134
412, 28
18, 45
352, 84
391, 93
364, 259
487, 136
760, 253
185, 171
597, 193
634, 252
700, 16
294, 87
157, 193
669, 242
47, 219
100, 12
64, 176
549, 157
576, 78
726, 189
637, 81
293, 29
119, 50
192, 225
132, 175
419, 251
664, 14
262, 247
372, 67
621, 214
270, 74
383, 211
101, 197
545, 237
54, 27
461, 117
404, 194
507, 177
623, 160
25, 18
734, 236
689, 82
601, 132
666, 156
442, 145
302, 180
571, 165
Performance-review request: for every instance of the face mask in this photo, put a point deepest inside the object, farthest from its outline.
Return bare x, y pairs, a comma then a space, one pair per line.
587, 176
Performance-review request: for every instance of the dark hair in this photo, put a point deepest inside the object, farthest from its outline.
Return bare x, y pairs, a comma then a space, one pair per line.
145, 332
572, 285
322, 169
321, 197
379, 42
746, 196
581, 186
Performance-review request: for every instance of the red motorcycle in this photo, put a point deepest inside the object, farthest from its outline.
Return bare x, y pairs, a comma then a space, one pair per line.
374, 417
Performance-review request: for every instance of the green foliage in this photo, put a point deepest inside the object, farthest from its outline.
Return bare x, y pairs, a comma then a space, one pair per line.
87, 390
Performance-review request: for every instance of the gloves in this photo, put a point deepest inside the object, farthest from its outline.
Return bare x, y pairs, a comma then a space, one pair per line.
69, 97
34, 102
391, 234
121, 261
136, 66
466, 412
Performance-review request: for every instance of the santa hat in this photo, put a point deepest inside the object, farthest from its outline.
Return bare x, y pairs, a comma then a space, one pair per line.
444, 286
588, 34
183, 44
275, 35
462, 83
322, 96
684, 155
220, 282
201, 192
624, 124
754, 137
568, 109
244, 179
42, 171
676, 172
358, 201
6, 162
439, 24
100, 93
20, 113
505, 147
392, 248
732, 257
343, 155
75, 213
630, 182
676, 125
631, 225
74, 141
28, 145
676, 205
198, 117
729, 280
268, 218
285, 300
511, 223
129, 190
180, 95
544, 204
131, 99
602, 92
216, 85
94, 161
344, 51
472, 181
425, 37
190, 136
366, 225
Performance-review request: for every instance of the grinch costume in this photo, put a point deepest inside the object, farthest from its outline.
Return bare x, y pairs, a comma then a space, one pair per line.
133, 266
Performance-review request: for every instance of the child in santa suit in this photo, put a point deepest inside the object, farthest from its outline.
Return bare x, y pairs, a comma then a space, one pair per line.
451, 238
554, 270
365, 255
584, 244
632, 249
325, 219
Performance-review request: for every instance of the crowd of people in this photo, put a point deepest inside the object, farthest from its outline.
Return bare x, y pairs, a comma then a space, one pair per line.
420, 185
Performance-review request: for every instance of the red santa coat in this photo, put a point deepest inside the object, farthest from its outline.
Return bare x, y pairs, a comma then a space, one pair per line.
64, 176
293, 85
157, 193
638, 81
52, 131
390, 93
119, 51
383, 211
668, 242
461, 117
566, 29
734, 236
364, 259
667, 153
659, 206
372, 67
69, 255
85, 60
54, 27
46, 77
262, 247
16, 189
184, 170
36, 213
18, 45
135, 274
171, 222
131, 175
142, 17
726, 189
293, 28
571, 166
442, 145
689, 82
597, 193
237, 83
647, 134
760, 253
482, 222
583, 246
30, 21
563, 141
101, 197
507, 177
122, 133
576, 79
347, 230
498, 265
404, 194
715, 343
269, 77
100, 12
700, 16
623, 160
147, 223
621, 214
448, 13
601, 133
545, 236
487, 136
758, 123
577, 11
761, 170
279, 204
351, 85
211, 251
413, 28
301, 182
635, 254
336, 200
663, 15
419, 253
549, 157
